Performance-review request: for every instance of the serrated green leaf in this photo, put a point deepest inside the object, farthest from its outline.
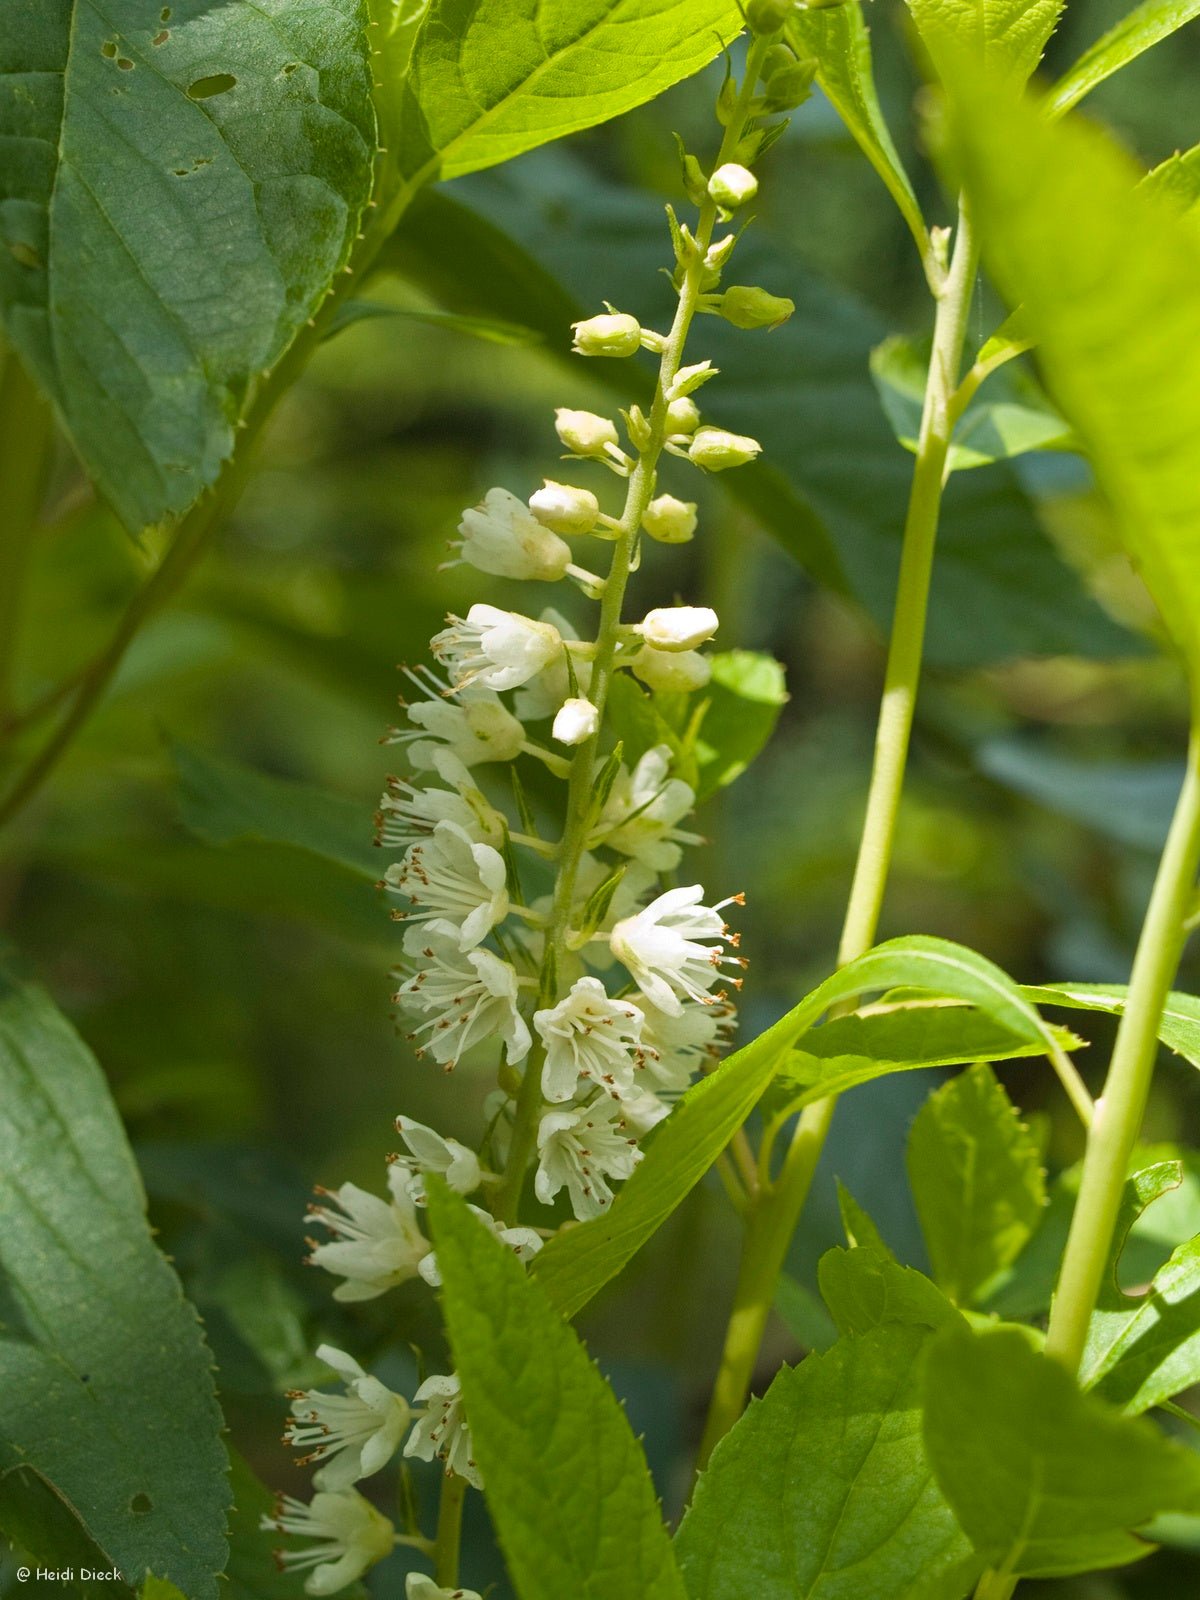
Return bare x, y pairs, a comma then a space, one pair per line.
40, 1524
837, 38
1178, 1028
106, 1386
864, 1289
567, 1483
859, 1227
132, 142
805, 1317
1109, 283
1003, 39
823, 1490
1176, 180
745, 696
1046, 1481
977, 1180
1144, 27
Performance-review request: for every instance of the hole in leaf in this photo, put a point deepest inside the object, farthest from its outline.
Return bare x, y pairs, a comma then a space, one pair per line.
216, 83
141, 1504
290, 67
109, 49
165, 14
161, 38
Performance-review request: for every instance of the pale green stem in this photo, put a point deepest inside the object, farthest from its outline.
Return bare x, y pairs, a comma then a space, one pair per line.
584, 764
449, 1530
775, 1211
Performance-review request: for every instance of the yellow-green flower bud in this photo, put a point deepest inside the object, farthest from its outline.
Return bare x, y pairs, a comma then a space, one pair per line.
670, 521
732, 185
583, 432
768, 16
613, 333
564, 509
748, 307
714, 449
792, 86
683, 416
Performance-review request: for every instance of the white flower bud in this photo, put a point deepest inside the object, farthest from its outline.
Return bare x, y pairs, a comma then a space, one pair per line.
577, 720
748, 307
614, 333
670, 521
502, 538
563, 508
714, 449
583, 432
732, 185
679, 627
671, 671
683, 416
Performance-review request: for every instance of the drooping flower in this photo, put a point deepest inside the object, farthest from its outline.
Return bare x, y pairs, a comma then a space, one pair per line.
589, 1037
580, 1148
428, 1151
464, 996
614, 334
523, 1242
576, 720
351, 1435
376, 1243
639, 818
679, 627
474, 725
419, 1587
495, 649
408, 813
453, 879
677, 1046
504, 538
349, 1537
662, 947
441, 1432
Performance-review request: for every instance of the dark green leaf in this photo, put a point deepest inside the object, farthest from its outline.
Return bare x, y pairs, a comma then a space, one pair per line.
106, 1387
1145, 26
567, 1483
1130, 802
976, 1176
492, 330
41, 1525
132, 144
863, 1289
859, 1226
1178, 1028
1045, 1480
823, 1490
745, 697
806, 1318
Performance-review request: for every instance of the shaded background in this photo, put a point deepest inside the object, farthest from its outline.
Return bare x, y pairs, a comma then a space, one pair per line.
237, 992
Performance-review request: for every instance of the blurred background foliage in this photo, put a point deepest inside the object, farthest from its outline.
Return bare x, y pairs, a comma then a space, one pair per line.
230, 967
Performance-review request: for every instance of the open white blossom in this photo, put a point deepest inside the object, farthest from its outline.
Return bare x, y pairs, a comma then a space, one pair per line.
523, 1242
349, 1537
419, 1587
441, 1432
428, 1151
351, 1435
407, 813
495, 649
376, 1243
662, 947
464, 996
545, 693
504, 538
677, 1046
453, 879
474, 725
679, 627
589, 1037
580, 1148
576, 720
640, 815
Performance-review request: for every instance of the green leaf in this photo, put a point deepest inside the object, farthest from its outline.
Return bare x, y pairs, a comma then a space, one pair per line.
491, 78
492, 330
1046, 1481
1109, 284
1178, 1028
802, 1312
1144, 27
837, 39
223, 802
1002, 39
1011, 419
252, 1572
864, 1289
745, 696
823, 1490
567, 1483
41, 1525
106, 1387
977, 1180
1176, 180
160, 1589
132, 142
858, 1225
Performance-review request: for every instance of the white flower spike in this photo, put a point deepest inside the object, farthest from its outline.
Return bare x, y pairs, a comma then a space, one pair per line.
580, 1148
441, 1432
502, 537
464, 997
589, 1038
495, 649
408, 813
454, 880
376, 1243
429, 1152
351, 1435
349, 1537
663, 947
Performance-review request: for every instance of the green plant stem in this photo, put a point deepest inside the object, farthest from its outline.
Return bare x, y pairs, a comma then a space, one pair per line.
639, 493
775, 1211
449, 1530
26, 441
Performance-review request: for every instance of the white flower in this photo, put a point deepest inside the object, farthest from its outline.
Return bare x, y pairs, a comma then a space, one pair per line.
430, 1152
679, 627
376, 1244
504, 538
671, 671
677, 1046
732, 185
495, 649
523, 1242
352, 1435
407, 813
418, 1587
640, 814
661, 946
584, 433
442, 1431
456, 880
580, 1148
576, 720
542, 696
669, 520
474, 726
589, 1036
350, 1536
466, 996
564, 508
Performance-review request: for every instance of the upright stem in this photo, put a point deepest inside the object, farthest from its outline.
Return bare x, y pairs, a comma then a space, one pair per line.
449, 1530
775, 1211
583, 766
26, 439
